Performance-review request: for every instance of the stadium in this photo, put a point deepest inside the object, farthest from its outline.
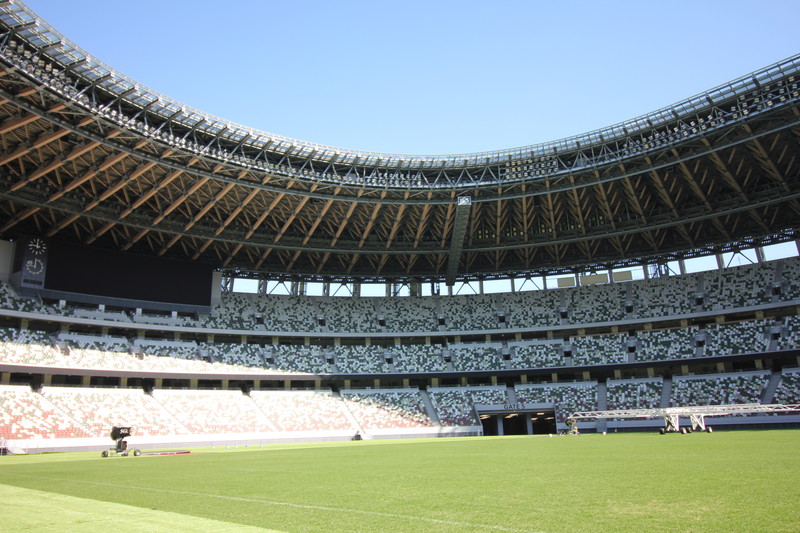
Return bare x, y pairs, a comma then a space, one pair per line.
212, 285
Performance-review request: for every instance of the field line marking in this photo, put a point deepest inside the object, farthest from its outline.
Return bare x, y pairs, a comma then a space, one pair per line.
287, 504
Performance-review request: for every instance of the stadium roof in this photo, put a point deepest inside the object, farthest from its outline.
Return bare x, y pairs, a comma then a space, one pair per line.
93, 157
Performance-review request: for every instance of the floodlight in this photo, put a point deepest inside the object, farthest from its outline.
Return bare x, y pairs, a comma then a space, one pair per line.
119, 434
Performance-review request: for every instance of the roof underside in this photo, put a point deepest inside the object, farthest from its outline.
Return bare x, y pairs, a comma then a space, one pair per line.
90, 159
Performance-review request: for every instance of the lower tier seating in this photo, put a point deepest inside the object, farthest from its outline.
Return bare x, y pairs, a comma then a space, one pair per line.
70, 412
567, 397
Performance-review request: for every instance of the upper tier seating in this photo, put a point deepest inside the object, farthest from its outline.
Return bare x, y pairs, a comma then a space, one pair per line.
9, 299
409, 314
360, 359
249, 355
290, 358
599, 349
477, 357
665, 344
536, 354
475, 312
418, 358
741, 337
789, 334
790, 276
668, 296
349, 314
532, 308
739, 286
596, 303
27, 347
167, 348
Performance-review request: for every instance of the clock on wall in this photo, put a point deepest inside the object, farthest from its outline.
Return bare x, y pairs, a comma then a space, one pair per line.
34, 262
34, 266
37, 246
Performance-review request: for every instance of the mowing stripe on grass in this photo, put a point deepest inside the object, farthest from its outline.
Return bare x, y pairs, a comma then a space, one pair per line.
285, 504
36, 510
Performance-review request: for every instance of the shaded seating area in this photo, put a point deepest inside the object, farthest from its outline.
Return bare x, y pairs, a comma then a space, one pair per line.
567, 397
418, 358
455, 405
665, 344
637, 393
719, 389
477, 357
599, 349
788, 391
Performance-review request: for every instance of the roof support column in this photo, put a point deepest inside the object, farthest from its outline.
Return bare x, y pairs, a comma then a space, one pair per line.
463, 206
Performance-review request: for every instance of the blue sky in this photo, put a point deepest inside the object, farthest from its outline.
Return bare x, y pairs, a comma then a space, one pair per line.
428, 77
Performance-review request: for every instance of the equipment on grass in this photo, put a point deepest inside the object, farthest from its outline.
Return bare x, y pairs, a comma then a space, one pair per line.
572, 426
696, 414
118, 434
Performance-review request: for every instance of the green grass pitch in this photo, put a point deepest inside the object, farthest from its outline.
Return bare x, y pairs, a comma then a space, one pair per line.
725, 481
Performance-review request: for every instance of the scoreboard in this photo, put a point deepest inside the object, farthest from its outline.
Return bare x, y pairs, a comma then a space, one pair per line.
58, 267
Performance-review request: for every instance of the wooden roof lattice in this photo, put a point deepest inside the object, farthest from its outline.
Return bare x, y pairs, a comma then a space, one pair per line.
92, 157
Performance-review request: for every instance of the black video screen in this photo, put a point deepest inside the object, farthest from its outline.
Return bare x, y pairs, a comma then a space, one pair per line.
101, 272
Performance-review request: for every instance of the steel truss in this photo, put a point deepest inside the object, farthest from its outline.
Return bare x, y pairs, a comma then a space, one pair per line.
696, 414
93, 157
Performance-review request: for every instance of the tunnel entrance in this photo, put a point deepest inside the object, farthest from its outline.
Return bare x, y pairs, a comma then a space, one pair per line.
517, 419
